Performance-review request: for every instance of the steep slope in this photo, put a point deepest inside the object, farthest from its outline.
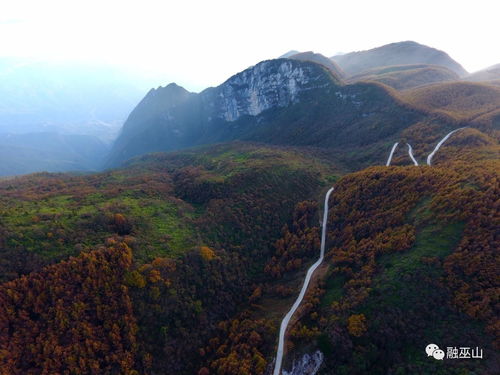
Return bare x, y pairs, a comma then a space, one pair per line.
401, 237
208, 247
402, 53
406, 76
157, 105
282, 101
211, 115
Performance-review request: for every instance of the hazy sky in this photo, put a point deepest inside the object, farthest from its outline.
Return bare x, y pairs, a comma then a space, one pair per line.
201, 43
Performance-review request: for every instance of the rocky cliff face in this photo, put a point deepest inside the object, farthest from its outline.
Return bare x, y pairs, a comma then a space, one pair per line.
170, 118
282, 101
275, 83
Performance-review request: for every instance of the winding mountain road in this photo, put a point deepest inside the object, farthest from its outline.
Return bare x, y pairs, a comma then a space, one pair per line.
298, 301
392, 153
286, 320
410, 152
429, 158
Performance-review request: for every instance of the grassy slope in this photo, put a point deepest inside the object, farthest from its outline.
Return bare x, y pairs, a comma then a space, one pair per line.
462, 101
76, 214
407, 76
396, 54
54, 216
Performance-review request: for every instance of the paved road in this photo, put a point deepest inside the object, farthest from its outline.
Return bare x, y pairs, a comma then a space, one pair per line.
410, 152
310, 271
392, 153
429, 158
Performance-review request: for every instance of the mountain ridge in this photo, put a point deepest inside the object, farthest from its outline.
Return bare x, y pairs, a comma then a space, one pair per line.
185, 262
400, 53
403, 77
251, 106
271, 83
322, 60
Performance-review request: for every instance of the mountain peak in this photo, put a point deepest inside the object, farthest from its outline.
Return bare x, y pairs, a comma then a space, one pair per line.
288, 54
399, 53
322, 60
174, 86
170, 88
171, 118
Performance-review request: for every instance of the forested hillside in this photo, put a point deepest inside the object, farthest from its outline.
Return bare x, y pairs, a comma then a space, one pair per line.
186, 223
412, 254
186, 257
208, 248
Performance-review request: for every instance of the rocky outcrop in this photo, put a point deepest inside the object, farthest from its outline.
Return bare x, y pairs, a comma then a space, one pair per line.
274, 83
170, 117
283, 101
309, 364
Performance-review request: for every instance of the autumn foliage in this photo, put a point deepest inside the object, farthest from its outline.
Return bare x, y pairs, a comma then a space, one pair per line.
186, 263
74, 317
376, 214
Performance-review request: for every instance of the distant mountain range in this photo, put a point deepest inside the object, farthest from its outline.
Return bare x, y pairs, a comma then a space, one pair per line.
491, 75
282, 101
403, 77
307, 99
52, 152
302, 98
185, 262
65, 97
402, 53
70, 105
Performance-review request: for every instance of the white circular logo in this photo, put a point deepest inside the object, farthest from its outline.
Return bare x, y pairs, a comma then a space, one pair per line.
438, 354
429, 349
